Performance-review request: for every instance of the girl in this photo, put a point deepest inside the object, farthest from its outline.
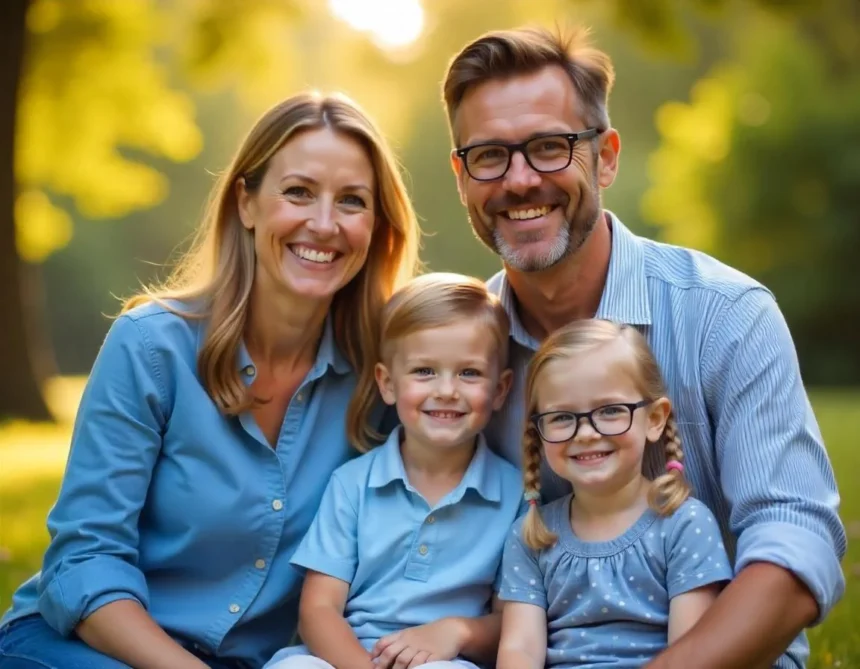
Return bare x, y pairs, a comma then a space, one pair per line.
404, 553
609, 575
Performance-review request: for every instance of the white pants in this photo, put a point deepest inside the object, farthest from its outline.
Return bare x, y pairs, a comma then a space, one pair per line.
311, 662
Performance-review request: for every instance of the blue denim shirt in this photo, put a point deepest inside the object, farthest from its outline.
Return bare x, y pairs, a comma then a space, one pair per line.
753, 450
192, 513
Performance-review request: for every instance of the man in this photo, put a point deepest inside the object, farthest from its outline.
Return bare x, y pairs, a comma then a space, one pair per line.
529, 119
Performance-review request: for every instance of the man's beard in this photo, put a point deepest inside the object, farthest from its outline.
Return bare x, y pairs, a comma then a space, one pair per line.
569, 239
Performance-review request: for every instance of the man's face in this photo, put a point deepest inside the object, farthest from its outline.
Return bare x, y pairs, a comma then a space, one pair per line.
532, 220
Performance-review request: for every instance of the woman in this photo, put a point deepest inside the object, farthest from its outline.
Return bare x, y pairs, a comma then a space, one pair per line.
218, 407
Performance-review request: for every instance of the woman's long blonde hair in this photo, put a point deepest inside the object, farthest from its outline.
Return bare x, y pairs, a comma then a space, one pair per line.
215, 277
668, 490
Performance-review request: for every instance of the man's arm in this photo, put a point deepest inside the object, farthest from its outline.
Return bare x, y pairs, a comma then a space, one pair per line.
776, 606
779, 484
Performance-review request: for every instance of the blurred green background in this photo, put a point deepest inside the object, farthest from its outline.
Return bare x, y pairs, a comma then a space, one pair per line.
740, 127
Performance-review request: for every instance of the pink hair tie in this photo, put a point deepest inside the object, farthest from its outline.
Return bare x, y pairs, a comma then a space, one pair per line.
532, 498
674, 464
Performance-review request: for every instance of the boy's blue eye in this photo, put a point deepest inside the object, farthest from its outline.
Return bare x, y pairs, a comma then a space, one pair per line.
422, 371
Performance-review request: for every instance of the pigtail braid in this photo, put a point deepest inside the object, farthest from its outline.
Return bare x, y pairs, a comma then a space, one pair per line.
536, 535
670, 490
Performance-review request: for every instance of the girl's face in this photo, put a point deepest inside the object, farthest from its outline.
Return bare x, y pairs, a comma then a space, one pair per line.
606, 458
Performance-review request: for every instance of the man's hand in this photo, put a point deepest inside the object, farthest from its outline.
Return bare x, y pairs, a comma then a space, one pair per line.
412, 647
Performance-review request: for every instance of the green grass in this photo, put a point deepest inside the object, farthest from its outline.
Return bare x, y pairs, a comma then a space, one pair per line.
32, 458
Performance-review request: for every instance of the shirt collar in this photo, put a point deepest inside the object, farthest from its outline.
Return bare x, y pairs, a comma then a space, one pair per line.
479, 476
328, 354
625, 295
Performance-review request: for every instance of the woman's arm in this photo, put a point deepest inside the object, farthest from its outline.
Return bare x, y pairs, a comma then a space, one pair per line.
91, 582
686, 609
523, 642
322, 625
125, 631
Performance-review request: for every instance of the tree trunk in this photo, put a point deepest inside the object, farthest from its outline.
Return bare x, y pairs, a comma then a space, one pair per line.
25, 356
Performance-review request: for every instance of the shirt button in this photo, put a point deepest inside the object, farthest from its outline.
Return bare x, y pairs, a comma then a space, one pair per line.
234, 608
423, 549
277, 505
431, 519
249, 370
300, 397
260, 564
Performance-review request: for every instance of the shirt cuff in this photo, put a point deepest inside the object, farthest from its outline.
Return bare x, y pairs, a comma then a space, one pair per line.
522, 595
76, 592
344, 571
799, 550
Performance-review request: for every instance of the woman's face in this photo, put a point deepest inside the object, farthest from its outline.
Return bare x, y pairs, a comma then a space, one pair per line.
313, 214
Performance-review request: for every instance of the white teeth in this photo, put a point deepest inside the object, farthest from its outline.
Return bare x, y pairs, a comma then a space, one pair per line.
590, 456
444, 414
526, 214
322, 257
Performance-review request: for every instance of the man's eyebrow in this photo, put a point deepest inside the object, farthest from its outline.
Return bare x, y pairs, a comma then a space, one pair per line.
534, 135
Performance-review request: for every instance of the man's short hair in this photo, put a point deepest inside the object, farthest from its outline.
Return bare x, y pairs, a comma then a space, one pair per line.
501, 54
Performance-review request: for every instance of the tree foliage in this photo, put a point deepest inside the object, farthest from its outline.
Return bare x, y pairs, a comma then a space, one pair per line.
760, 169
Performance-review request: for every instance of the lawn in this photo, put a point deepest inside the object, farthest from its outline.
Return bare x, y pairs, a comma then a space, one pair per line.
32, 458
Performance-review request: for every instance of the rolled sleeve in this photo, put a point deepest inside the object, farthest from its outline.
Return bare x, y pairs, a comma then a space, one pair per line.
93, 555
775, 471
330, 545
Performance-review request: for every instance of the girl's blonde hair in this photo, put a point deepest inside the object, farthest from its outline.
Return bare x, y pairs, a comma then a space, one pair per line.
668, 490
438, 299
215, 277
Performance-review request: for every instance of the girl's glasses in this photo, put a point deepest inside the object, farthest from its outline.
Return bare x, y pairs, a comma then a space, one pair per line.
609, 420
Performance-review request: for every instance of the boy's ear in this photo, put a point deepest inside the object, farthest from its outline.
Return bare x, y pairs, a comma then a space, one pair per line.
503, 388
658, 415
385, 384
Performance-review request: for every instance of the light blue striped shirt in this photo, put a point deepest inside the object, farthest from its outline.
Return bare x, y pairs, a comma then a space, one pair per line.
754, 452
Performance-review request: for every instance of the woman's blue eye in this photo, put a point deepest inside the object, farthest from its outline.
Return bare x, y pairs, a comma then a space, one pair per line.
354, 201
296, 191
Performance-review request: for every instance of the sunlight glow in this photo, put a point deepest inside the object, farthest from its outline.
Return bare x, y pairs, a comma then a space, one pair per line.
393, 24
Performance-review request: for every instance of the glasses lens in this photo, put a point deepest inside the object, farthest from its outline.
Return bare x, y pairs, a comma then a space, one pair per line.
487, 162
548, 154
613, 419
558, 426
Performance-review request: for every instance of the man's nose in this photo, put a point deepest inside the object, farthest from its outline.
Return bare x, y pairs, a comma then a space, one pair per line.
521, 177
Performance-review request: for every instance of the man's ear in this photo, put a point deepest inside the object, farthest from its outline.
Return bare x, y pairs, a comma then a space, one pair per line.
460, 177
385, 384
658, 414
609, 144
244, 203
503, 387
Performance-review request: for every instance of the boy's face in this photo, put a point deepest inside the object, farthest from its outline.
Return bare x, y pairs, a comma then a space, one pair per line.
445, 383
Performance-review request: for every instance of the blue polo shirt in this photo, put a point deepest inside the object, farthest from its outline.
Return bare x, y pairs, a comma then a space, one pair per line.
409, 563
191, 513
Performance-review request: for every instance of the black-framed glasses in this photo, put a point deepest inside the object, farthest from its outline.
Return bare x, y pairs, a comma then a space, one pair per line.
609, 420
489, 161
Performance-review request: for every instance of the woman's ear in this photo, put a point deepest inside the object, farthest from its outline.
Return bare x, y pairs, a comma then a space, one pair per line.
244, 203
658, 415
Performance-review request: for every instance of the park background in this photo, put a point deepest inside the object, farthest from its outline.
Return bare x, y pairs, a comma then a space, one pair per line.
740, 126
